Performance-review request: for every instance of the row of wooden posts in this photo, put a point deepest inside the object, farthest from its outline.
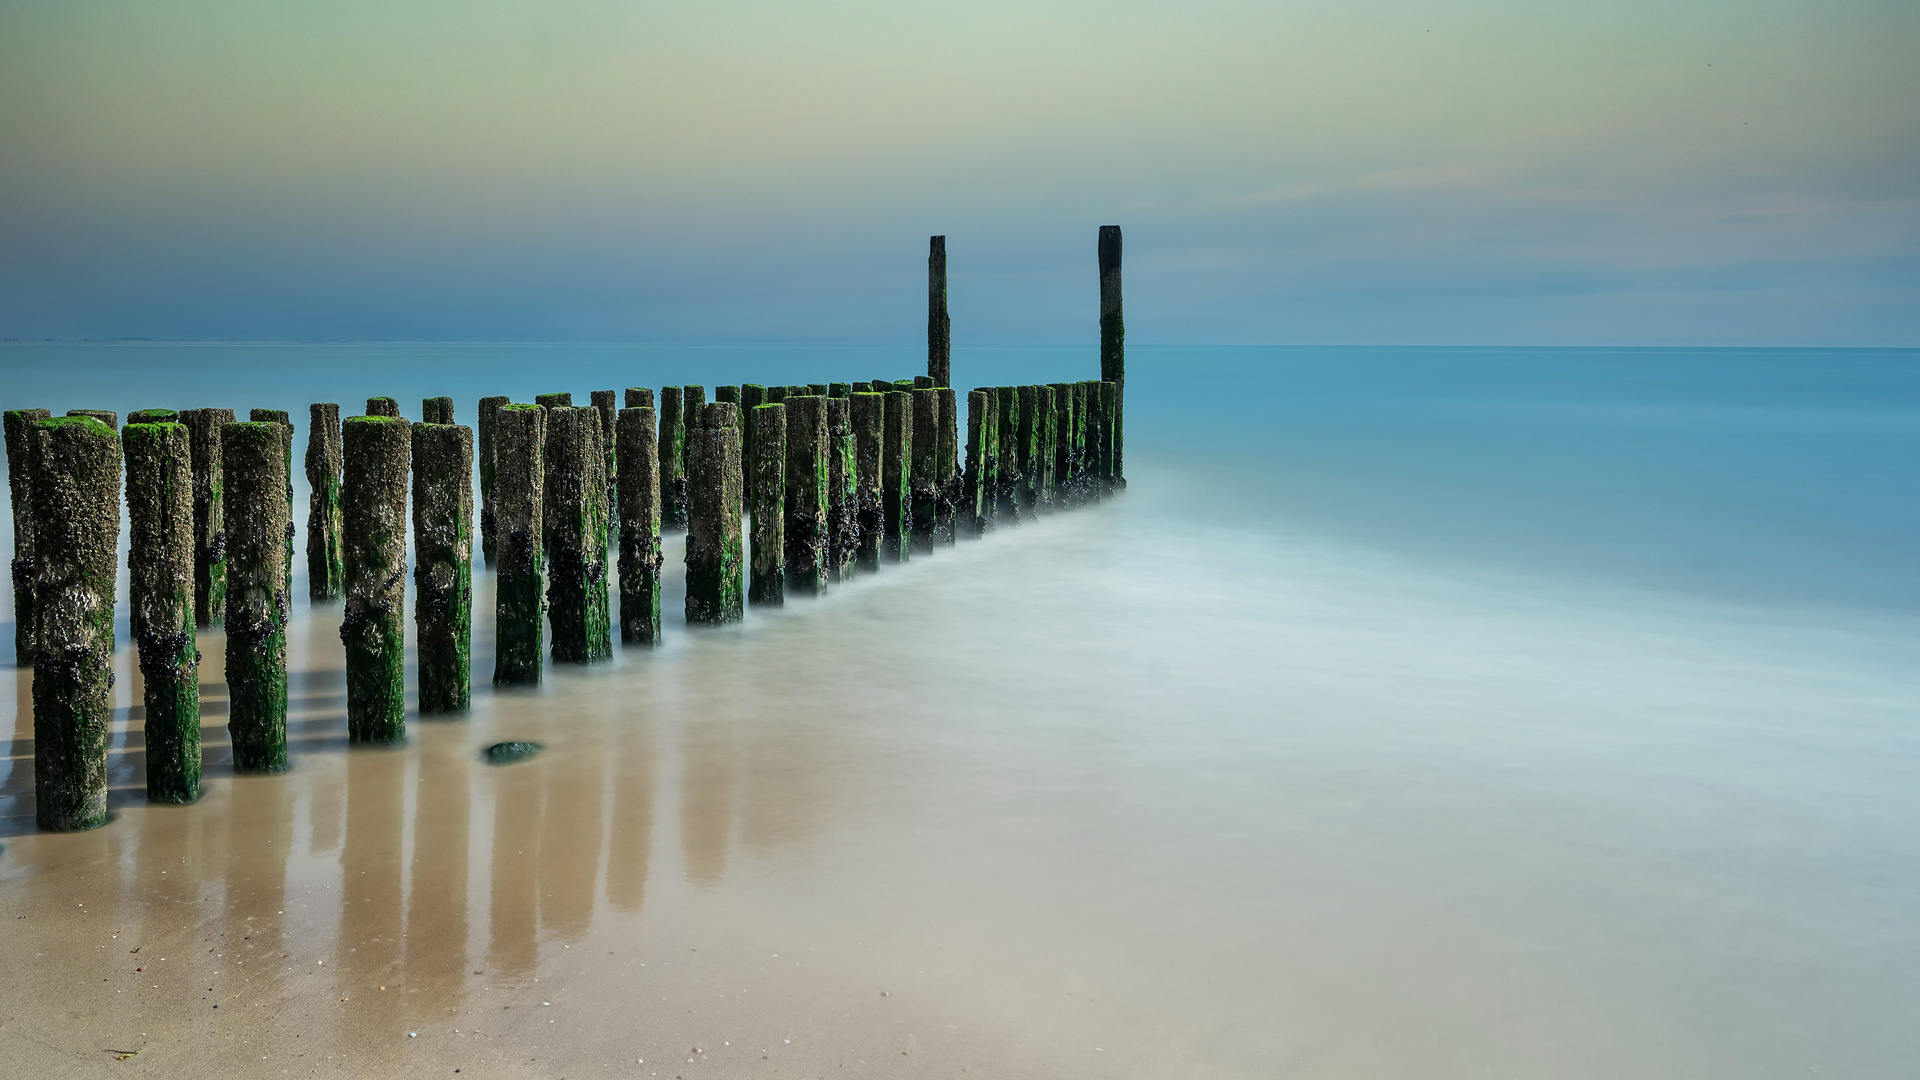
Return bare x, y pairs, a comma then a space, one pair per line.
833, 480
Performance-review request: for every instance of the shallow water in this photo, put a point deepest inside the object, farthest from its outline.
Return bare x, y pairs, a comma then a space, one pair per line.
1413, 714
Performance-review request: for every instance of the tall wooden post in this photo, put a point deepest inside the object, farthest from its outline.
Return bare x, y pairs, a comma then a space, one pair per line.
714, 555
205, 427
255, 467
520, 480
1113, 343
373, 496
939, 327
639, 525
19, 432
279, 416
673, 460
325, 577
576, 524
159, 460
483, 447
443, 564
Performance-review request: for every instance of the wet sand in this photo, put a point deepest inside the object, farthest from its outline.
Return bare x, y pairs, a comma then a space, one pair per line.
1066, 802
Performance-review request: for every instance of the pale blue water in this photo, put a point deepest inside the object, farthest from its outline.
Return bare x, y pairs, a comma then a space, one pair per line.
1415, 713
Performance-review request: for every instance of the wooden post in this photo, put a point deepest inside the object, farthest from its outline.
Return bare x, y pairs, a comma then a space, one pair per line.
159, 461
843, 515
443, 564
153, 416
839, 389
1110, 480
1006, 407
939, 327
767, 586
279, 416
19, 432
926, 468
1062, 444
563, 400
76, 511
869, 420
639, 397
1046, 437
373, 497
382, 406
1026, 451
640, 560
974, 503
673, 460
205, 427
436, 410
818, 389
1090, 427
714, 554
575, 517
520, 480
1113, 343
325, 577
106, 416
896, 476
603, 403
483, 432
255, 465
806, 528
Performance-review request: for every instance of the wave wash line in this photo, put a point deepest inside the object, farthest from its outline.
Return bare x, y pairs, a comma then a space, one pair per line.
833, 480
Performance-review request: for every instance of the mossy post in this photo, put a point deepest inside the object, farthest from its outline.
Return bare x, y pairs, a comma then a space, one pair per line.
325, 576
483, 446
640, 397
1062, 444
1045, 438
383, 406
153, 416
973, 504
106, 416
881, 386
896, 476
1092, 432
767, 477
1113, 349
939, 327
731, 395
807, 491
576, 507
869, 415
76, 512
1026, 449
925, 481
945, 530
205, 427
639, 451
562, 400
673, 460
843, 512
1110, 480
436, 410
279, 416
258, 600
715, 555
19, 431
374, 628
839, 390
1006, 407
519, 492
604, 404
776, 395
443, 565
159, 461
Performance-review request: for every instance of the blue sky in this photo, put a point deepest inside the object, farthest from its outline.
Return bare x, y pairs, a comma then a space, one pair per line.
1374, 172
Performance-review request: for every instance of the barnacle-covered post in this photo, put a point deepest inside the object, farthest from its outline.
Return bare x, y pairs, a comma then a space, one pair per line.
374, 628
279, 416
159, 461
673, 459
443, 564
767, 476
926, 468
869, 411
843, 518
204, 428
806, 529
325, 577
76, 511
519, 486
939, 326
896, 475
19, 432
258, 596
483, 447
1113, 351
436, 410
714, 555
639, 453
576, 536
383, 406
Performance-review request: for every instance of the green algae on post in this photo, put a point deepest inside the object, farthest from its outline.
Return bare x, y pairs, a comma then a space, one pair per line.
603, 403
673, 459
896, 476
939, 326
373, 628
767, 476
639, 397
325, 576
1006, 407
926, 468
1109, 466
1061, 481
1113, 349
520, 477
507, 753
159, 463
947, 500
576, 526
1026, 449
436, 410
205, 427
869, 428
106, 416
279, 416
382, 406
807, 490
76, 511
715, 562
975, 500
443, 565
19, 433
562, 400
1044, 439
483, 447
843, 519
839, 390
1086, 403
257, 601
639, 508
153, 416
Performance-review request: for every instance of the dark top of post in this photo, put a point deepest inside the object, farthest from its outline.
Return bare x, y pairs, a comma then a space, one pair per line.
939, 327
1113, 332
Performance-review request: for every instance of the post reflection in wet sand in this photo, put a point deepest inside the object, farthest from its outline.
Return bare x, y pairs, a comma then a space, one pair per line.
706, 799
368, 951
513, 911
630, 837
572, 829
436, 939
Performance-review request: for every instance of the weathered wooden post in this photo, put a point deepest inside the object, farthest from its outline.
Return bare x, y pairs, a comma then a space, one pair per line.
945, 530
673, 460
731, 395
767, 583
1044, 449
896, 476
443, 564
926, 468
1113, 345
152, 416
1062, 444
818, 389
75, 473
519, 495
1090, 450
839, 390
939, 327
159, 461
881, 386
436, 410
373, 496
1026, 447
1109, 469
325, 576
640, 397
843, 515
1006, 408
807, 491
106, 416
869, 418
715, 562
639, 525
483, 435
562, 400
255, 466
603, 403
974, 502
279, 416
205, 427
776, 395
19, 432
576, 523
382, 406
